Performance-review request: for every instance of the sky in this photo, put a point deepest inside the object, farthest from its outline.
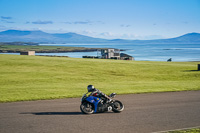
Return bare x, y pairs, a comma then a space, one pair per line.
109, 19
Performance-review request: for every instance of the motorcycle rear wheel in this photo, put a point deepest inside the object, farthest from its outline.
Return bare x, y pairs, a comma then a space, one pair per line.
117, 106
87, 108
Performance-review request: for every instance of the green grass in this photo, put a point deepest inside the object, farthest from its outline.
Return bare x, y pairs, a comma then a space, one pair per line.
32, 77
38, 49
193, 130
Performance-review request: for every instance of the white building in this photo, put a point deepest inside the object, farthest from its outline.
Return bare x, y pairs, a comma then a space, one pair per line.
110, 53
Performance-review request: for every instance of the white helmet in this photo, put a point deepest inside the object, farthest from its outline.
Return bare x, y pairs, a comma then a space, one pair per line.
90, 88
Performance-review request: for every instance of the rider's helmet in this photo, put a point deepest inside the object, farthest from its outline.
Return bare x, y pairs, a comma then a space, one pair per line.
90, 88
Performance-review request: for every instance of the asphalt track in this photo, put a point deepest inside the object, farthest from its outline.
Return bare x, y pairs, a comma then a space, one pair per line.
144, 113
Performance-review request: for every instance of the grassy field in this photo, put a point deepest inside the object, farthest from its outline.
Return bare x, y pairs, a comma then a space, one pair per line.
33, 77
39, 49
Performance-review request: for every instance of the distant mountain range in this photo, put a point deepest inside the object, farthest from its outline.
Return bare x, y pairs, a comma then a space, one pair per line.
43, 37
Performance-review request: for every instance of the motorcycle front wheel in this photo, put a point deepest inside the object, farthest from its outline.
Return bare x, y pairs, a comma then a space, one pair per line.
117, 106
87, 108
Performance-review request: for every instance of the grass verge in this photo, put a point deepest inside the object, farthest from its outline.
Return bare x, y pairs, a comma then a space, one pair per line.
25, 78
193, 130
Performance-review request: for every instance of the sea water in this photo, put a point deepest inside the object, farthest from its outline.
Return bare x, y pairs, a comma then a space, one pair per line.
141, 52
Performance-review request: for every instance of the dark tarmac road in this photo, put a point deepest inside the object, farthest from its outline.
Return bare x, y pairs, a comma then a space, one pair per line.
144, 113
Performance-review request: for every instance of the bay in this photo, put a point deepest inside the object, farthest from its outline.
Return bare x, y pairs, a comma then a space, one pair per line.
141, 52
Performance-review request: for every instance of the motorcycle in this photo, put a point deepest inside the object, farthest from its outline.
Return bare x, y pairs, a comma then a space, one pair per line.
92, 104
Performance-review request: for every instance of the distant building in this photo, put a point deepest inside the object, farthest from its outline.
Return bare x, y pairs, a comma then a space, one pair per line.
115, 54
126, 57
110, 53
28, 53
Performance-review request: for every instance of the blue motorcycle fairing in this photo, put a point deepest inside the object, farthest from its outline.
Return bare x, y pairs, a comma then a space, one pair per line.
93, 100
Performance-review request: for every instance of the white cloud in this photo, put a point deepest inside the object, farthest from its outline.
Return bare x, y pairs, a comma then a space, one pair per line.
150, 37
107, 35
110, 35
86, 22
6, 18
125, 25
79, 22
41, 22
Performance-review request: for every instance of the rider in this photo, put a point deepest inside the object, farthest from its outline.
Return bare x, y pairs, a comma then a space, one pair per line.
97, 93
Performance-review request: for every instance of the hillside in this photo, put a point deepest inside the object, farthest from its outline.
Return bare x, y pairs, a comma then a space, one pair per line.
43, 37
190, 38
